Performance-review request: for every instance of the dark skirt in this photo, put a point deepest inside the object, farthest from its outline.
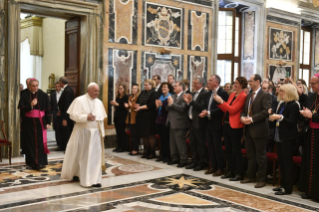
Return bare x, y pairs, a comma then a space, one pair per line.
145, 122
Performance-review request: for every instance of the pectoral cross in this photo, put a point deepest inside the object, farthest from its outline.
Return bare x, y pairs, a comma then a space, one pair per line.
314, 111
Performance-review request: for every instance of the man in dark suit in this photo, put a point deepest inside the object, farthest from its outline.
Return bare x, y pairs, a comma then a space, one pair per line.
179, 124
214, 129
255, 117
270, 141
157, 80
197, 103
54, 99
65, 101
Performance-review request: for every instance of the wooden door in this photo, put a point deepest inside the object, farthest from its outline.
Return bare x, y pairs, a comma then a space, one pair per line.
72, 53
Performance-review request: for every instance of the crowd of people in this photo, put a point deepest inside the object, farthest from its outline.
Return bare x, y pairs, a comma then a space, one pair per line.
256, 115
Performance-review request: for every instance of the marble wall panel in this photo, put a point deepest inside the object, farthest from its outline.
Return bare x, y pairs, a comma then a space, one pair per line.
317, 48
123, 21
277, 72
122, 70
280, 44
163, 25
249, 35
248, 69
162, 65
197, 67
2, 62
198, 23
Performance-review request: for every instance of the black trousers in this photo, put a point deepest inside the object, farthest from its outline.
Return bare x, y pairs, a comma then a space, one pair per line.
256, 154
197, 145
270, 140
135, 139
285, 152
215, 149
163, 132
232, 140
120, 135
58, 129
65, 133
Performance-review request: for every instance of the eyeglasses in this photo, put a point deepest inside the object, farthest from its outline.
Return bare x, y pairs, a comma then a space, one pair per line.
250, 80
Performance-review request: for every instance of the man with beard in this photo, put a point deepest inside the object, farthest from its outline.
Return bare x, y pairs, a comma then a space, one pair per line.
35, 108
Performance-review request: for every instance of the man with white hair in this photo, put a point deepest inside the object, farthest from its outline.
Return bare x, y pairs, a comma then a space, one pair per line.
84, 157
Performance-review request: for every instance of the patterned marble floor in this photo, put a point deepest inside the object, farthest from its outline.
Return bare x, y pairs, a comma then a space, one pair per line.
130, 184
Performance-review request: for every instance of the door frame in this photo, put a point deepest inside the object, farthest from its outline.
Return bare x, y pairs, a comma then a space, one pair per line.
91, 52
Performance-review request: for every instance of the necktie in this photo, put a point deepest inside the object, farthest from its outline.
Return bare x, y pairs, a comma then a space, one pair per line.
190, 114
251, 104
210, 100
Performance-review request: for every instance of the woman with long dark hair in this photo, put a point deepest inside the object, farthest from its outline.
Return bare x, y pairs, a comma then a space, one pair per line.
162, 128
145, 118
120, 114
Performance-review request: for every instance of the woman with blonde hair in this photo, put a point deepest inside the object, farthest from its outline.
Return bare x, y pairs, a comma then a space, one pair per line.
145, 119
131, 118
286, 117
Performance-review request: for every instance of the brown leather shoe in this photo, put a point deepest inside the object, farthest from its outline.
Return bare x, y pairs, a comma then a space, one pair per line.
260, 184
220, 172
247, 181
210, 171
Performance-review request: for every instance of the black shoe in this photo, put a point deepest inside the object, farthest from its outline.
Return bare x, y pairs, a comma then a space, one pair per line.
144, 156
305, 196
166, 160
120, 150
159, 159
281, 193
150, 157
173, 162
279, 188
228, 175
191, 166
97, 185
199, 168
181, 165
76, 178
116, 149
238, 177
59, 149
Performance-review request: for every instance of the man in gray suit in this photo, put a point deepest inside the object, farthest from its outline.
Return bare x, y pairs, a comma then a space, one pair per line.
255, 117
179, 123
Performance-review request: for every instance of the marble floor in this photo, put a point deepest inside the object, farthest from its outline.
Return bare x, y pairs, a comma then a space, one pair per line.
131, 183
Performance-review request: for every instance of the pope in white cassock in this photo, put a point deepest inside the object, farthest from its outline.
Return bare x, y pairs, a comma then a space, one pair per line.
84, 156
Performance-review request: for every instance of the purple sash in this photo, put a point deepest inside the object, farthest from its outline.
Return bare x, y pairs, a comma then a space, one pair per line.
39, 114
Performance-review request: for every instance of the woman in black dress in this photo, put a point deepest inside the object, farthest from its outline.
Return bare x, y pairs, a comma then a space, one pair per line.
145, 118
120, 114
162, 128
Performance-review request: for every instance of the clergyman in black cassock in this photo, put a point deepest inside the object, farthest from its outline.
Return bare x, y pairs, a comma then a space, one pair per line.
35, 122
309, 174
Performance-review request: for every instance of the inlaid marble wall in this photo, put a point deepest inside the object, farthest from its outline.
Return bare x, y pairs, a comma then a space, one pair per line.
281, 48
249, 58
317, 47
2, 61
122, 71
155, 37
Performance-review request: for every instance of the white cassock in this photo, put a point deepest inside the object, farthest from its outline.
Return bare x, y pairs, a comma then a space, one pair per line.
84, 156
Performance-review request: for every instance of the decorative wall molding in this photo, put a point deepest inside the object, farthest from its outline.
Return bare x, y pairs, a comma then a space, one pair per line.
205, 3
282, 21
32, 21
283, 17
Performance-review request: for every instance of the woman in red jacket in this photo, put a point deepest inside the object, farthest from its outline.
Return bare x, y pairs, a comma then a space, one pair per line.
233, 129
